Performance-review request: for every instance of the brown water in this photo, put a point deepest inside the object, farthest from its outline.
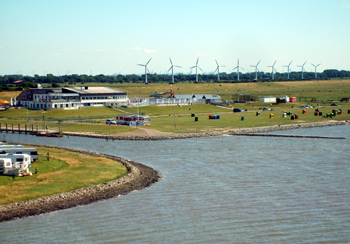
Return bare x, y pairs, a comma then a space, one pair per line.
213, 190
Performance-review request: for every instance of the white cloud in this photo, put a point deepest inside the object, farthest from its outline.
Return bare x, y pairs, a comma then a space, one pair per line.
149, 51
138, 49
1, 46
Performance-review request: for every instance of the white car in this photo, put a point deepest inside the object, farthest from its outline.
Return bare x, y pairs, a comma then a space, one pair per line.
110, 122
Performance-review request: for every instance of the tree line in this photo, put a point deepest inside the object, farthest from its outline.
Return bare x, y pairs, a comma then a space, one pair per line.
8, 82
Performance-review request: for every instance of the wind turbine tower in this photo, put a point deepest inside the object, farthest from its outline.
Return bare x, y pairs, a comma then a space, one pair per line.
196, 66
256, 70
172, 70
288, 68
315, 69
273, 70
302, 70
145, 65
237, 67
218, 69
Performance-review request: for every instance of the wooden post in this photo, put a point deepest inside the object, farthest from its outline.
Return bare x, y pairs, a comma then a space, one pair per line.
19, 128
25, 128
32, 128
6, 127
12, 128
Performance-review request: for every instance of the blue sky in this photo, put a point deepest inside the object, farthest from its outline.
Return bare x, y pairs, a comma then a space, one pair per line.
113, 36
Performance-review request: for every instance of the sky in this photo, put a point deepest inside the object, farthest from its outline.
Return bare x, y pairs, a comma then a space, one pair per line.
113, 36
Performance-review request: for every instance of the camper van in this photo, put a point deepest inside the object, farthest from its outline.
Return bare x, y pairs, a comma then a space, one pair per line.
20, 158
30, 151
10, 146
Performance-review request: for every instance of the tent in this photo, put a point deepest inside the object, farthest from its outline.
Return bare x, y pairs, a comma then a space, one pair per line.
5, 102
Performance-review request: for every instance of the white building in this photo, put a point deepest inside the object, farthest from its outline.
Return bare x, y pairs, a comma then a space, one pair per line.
72, 97
268, 99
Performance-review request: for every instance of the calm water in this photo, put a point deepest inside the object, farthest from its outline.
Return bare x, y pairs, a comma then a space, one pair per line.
213, 190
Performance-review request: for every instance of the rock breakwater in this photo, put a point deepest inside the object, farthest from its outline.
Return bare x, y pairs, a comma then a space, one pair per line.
139, 176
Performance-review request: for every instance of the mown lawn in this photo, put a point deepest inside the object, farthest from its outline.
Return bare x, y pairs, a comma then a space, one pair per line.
64, 171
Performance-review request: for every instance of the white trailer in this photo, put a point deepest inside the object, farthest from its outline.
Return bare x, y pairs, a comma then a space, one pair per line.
10, 146
20, 158
7, 167
30, 151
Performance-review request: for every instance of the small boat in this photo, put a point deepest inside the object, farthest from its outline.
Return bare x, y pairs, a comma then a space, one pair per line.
54, 134
41, 134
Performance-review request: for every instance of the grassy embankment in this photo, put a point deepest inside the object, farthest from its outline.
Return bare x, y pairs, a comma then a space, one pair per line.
321, 93
65, 171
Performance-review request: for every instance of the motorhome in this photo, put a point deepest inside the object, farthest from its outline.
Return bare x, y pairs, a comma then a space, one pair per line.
33, 152
10, 146
20, 158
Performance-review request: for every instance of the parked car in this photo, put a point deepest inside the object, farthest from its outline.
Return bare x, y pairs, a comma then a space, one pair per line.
110, 122
265, 109
237, 110
334, 104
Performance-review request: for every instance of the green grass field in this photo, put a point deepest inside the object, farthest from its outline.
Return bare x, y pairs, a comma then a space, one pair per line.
64, 171
317, 93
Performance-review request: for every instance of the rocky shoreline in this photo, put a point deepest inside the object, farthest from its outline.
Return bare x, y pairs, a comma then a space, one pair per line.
209, 134
139, 176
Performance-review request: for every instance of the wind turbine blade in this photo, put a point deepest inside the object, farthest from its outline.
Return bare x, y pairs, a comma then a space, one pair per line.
141, 64
290, 62
258, 63
170, 61
197, 61
216, 62
304, 63
193, 67
169, 69
177, 66
234, 68
242, 68
313, 65
148, 61
318, 65
274, 63
252, 66
200, 69
216, 69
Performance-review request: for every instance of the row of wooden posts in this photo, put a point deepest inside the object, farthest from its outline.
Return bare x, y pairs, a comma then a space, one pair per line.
19, 130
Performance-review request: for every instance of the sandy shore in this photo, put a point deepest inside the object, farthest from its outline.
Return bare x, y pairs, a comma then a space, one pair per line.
139, 176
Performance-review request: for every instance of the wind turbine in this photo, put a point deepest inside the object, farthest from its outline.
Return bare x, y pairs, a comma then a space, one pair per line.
302, 70
288, 69
172, 70
218, 69
145, 65
315, 69
256, 70
273, 70
237, 67
196, 66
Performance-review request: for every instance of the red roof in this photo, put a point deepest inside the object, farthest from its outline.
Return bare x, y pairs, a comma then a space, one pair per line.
17, 81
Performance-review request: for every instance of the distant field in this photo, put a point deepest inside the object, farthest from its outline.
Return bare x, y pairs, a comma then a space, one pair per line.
317, 93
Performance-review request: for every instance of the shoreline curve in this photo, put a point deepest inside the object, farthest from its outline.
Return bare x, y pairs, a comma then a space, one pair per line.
139, 177
210, 134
